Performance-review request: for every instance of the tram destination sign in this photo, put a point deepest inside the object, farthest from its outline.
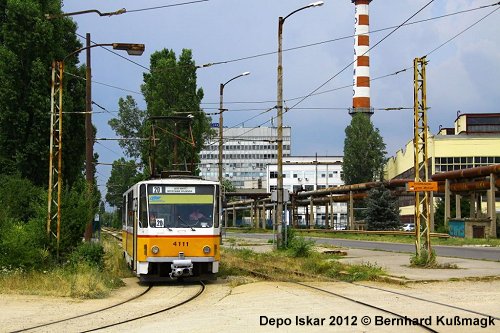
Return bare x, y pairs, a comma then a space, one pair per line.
422, 186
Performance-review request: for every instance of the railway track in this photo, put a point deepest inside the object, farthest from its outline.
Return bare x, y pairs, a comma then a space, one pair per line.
200, 291
85, 314
305, 285
49, 326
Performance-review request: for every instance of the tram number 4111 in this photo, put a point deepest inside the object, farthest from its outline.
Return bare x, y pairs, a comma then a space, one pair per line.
180, 243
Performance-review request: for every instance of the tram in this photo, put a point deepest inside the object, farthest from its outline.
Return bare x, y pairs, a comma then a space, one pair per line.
171, 229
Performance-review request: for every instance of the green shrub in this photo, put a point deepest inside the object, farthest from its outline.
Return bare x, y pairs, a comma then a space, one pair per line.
300, 247
76, 211
23, 245
88, 253
19, 198
424, 260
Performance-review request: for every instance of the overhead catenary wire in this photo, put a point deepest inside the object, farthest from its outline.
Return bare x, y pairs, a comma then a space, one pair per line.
342, 70
352, 62
315, 91
165, 6
349, 37
274, 52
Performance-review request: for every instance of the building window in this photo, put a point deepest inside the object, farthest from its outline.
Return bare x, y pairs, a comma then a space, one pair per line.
273, 174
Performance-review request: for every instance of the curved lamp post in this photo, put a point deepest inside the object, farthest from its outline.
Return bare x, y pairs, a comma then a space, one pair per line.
55, 158
221, 119
279, 107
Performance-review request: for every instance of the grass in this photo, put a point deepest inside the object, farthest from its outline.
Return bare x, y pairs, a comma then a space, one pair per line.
388, 238
82, 281
284, 266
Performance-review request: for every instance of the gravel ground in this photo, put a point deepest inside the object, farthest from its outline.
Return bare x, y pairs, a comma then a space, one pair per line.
244, 308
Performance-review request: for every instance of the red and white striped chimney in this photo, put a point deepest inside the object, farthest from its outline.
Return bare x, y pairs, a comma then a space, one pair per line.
361, 82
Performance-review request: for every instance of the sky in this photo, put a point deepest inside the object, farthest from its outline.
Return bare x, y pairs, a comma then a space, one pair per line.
462, 73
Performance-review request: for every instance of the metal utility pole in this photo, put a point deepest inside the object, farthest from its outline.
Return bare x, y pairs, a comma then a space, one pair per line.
279, 107
221, 121
89, 131
421, 167
55, 155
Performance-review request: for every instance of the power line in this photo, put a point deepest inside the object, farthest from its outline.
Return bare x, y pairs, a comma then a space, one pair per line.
347, 66
273, 52
166, 6
352, 62
463, 31
349, 36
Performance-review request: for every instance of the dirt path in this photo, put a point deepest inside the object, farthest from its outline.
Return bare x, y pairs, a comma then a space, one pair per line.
251, 308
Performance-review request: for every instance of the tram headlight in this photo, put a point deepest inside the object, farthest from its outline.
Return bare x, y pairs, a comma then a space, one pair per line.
155, 249
206, 249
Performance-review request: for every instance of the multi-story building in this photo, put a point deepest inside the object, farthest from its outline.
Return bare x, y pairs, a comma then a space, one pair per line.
246, 152
474, 141
311, 173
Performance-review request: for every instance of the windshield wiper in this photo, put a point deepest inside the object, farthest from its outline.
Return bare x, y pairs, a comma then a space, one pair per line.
183, 222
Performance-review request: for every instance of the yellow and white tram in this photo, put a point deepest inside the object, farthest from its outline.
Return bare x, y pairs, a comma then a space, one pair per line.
171, 229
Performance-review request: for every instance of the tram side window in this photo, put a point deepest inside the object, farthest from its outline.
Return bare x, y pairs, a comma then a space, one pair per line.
143, 208
130, 209
216, 215
124, 211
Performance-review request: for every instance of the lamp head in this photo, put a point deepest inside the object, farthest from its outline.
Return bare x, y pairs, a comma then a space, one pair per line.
132, 49
316, 4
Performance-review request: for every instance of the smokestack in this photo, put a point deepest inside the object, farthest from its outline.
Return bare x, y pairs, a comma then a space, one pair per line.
361, 82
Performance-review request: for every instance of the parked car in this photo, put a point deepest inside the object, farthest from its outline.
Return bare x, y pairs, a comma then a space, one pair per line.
408, 227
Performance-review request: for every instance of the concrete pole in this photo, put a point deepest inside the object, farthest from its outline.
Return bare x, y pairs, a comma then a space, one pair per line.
458, 207
279, 107
447, 193
311, 214
351, 211
491, 206
472, 205
327, 216
234, 216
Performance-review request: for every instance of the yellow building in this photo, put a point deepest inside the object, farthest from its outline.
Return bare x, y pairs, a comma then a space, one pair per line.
474, 141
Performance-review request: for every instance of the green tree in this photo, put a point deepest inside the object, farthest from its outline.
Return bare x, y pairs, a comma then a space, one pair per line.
382, 211
170, 88
129, 124
123, 175
28, 45
364, 151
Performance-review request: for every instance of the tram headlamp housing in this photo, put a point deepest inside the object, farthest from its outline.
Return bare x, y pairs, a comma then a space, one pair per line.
206, 249
155, 249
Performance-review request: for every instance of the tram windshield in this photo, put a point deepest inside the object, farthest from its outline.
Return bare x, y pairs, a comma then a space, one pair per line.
172, 206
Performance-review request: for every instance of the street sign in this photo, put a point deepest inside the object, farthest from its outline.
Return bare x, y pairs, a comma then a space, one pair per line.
422, 186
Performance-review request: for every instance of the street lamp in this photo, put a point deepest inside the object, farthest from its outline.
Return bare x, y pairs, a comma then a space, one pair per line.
132, 49
56, 127
221, 120
279, 107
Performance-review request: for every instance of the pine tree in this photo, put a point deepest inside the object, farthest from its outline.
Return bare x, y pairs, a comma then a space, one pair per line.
382, 211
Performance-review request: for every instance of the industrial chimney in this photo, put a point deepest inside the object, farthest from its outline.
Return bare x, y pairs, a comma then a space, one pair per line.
361, 82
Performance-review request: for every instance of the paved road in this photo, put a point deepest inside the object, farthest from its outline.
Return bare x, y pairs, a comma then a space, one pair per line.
485, 253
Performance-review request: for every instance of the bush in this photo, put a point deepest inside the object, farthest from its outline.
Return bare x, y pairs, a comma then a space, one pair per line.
300, 247
424, 260
23, 245
19, 198
76, 211
91, 254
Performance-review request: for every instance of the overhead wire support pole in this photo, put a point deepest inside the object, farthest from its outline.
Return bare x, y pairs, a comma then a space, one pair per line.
421, 165
55, 153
